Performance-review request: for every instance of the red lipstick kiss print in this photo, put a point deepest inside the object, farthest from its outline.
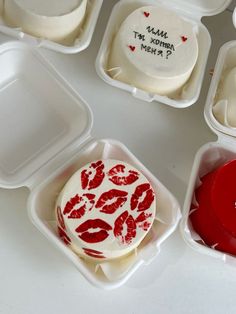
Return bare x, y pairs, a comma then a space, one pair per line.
78, 205
184, 39
93, 253
125, 228
142, 198
146, 14
64, 236
93, 237
132, 48
116, 175
60, 218
93, 177
141, 221
111, 201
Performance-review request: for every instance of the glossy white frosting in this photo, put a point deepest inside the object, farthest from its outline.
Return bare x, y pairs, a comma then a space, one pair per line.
155, 50
123, 230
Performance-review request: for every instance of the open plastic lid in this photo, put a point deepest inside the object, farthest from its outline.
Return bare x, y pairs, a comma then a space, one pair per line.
204, 7
42, 118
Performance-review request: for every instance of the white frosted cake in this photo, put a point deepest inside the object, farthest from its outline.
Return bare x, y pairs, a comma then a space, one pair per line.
56, 20
225, 109
105, 210
154, 50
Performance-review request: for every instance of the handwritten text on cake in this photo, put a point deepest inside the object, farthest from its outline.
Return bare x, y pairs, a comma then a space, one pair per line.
155, 44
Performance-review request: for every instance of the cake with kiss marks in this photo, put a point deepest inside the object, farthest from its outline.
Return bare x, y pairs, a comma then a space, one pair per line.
105, 210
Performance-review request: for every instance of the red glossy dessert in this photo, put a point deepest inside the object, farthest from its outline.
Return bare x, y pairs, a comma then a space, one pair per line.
224, 197
214, 215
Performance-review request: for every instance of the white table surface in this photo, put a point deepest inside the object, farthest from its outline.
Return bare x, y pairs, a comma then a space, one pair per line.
35, 277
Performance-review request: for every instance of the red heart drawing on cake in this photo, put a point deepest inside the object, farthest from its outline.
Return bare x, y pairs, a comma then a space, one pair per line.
146, 14
184, 39
132, 48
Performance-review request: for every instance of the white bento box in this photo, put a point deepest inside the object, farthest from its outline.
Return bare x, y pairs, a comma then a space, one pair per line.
211, 155
193, 11
80, 43
45, 137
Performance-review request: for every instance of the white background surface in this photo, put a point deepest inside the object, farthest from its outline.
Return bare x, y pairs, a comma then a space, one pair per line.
35, 278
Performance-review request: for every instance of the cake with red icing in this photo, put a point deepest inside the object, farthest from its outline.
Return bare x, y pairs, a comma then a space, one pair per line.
213, 214
105, 210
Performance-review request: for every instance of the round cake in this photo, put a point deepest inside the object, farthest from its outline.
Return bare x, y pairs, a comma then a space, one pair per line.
225, 108
105, 210
213, 218
154, 50
56, 20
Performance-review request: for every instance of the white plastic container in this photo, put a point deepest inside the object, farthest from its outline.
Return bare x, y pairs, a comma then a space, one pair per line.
45, 136
234, 17
193, 11
80, 43
56, 25
211, 155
